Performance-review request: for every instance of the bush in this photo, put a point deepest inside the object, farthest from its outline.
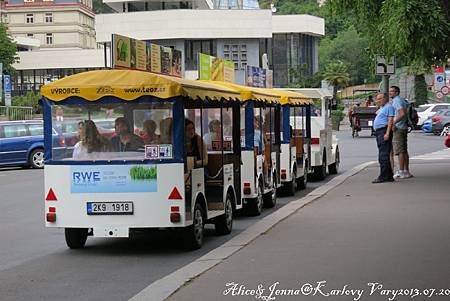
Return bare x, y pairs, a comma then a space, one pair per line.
30, 99
336, 117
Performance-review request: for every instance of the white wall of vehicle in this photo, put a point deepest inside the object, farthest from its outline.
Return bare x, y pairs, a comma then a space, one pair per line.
151, 209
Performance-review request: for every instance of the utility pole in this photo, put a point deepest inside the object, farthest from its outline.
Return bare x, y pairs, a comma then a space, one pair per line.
385, 84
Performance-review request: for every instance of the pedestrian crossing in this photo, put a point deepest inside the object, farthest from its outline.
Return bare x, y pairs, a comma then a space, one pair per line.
439, 155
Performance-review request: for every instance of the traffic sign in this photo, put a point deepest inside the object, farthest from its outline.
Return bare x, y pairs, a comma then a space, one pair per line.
439, 81
385, 66
445, 90
7, 83
439, 95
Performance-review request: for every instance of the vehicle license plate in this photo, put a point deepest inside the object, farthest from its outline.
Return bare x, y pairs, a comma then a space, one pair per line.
109, 208
370, 122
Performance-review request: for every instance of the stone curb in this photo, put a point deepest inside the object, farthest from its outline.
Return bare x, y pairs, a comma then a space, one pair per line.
163, 288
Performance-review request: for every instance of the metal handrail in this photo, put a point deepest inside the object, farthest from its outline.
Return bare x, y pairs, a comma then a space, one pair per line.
16, 113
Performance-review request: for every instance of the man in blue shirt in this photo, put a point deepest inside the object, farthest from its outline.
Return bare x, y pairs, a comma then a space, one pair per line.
400, 138
382, 125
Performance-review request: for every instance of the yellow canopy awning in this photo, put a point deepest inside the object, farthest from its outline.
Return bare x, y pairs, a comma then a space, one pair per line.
130, 85
248, 93
290, 97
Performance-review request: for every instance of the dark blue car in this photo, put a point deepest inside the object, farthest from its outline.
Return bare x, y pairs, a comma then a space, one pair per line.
22, 143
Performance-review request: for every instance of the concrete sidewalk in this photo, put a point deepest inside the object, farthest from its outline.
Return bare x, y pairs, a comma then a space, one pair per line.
393, 234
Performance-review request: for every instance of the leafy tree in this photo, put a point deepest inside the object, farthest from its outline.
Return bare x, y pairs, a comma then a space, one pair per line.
30, 99
348, 47
336, 75
101, 8
417, 32
8, 50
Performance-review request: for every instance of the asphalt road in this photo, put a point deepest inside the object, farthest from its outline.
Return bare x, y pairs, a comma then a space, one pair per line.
35, 263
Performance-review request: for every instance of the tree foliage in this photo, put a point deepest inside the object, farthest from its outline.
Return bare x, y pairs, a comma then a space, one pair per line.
348, 47
336, 75
416, 31
30, 99
8, 50
101, 8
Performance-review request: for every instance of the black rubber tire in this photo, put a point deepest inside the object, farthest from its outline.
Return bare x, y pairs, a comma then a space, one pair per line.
36, 158
255, 205
320, 172
224, 223
291, 187
76, 237
270, 199
333, 169
193, 234
302, 181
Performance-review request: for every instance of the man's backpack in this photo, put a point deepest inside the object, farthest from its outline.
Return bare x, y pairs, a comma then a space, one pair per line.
411, 114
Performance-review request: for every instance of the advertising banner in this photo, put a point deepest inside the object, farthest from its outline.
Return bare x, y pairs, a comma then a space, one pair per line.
155, 54
259, 77
113, 179
121, 51
213, 68
140, 55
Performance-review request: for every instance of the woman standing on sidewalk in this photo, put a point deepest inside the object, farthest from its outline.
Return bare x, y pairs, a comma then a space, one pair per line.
383, 131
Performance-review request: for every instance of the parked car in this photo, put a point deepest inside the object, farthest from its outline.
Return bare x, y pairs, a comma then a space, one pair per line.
429, 110
22, 143
441, 123
427, 126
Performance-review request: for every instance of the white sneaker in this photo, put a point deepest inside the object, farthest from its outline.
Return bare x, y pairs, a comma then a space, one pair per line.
406, 175
398, 174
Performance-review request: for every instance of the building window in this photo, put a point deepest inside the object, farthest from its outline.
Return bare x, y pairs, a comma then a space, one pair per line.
49, 38
30, 18
237, 54
30, 35
48, 18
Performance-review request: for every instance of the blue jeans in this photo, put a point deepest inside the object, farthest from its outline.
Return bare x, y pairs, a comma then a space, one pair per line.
384, 154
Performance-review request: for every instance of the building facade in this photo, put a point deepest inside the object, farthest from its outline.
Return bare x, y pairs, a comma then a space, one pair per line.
220, 28
54, 23
240, 35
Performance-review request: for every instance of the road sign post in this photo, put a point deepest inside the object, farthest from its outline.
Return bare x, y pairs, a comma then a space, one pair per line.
1, 82
7, 82
385, 67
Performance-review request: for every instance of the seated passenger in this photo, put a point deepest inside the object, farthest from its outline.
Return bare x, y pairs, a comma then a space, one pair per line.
125, 140
148, 133
90, 141
165, 131
195, 147
215, 134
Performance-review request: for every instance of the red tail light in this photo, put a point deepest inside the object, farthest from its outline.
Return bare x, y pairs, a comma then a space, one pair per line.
62, 141
315, 140
51, 217
175, 216
247, 189
283, 174
436, 119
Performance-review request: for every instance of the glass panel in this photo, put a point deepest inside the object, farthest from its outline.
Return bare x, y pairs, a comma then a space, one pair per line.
258, 125
36, 129
195, 147
11, 131
242, 130
212, 134
113, 132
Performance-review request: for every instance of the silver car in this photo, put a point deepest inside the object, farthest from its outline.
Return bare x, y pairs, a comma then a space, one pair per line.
441, 123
